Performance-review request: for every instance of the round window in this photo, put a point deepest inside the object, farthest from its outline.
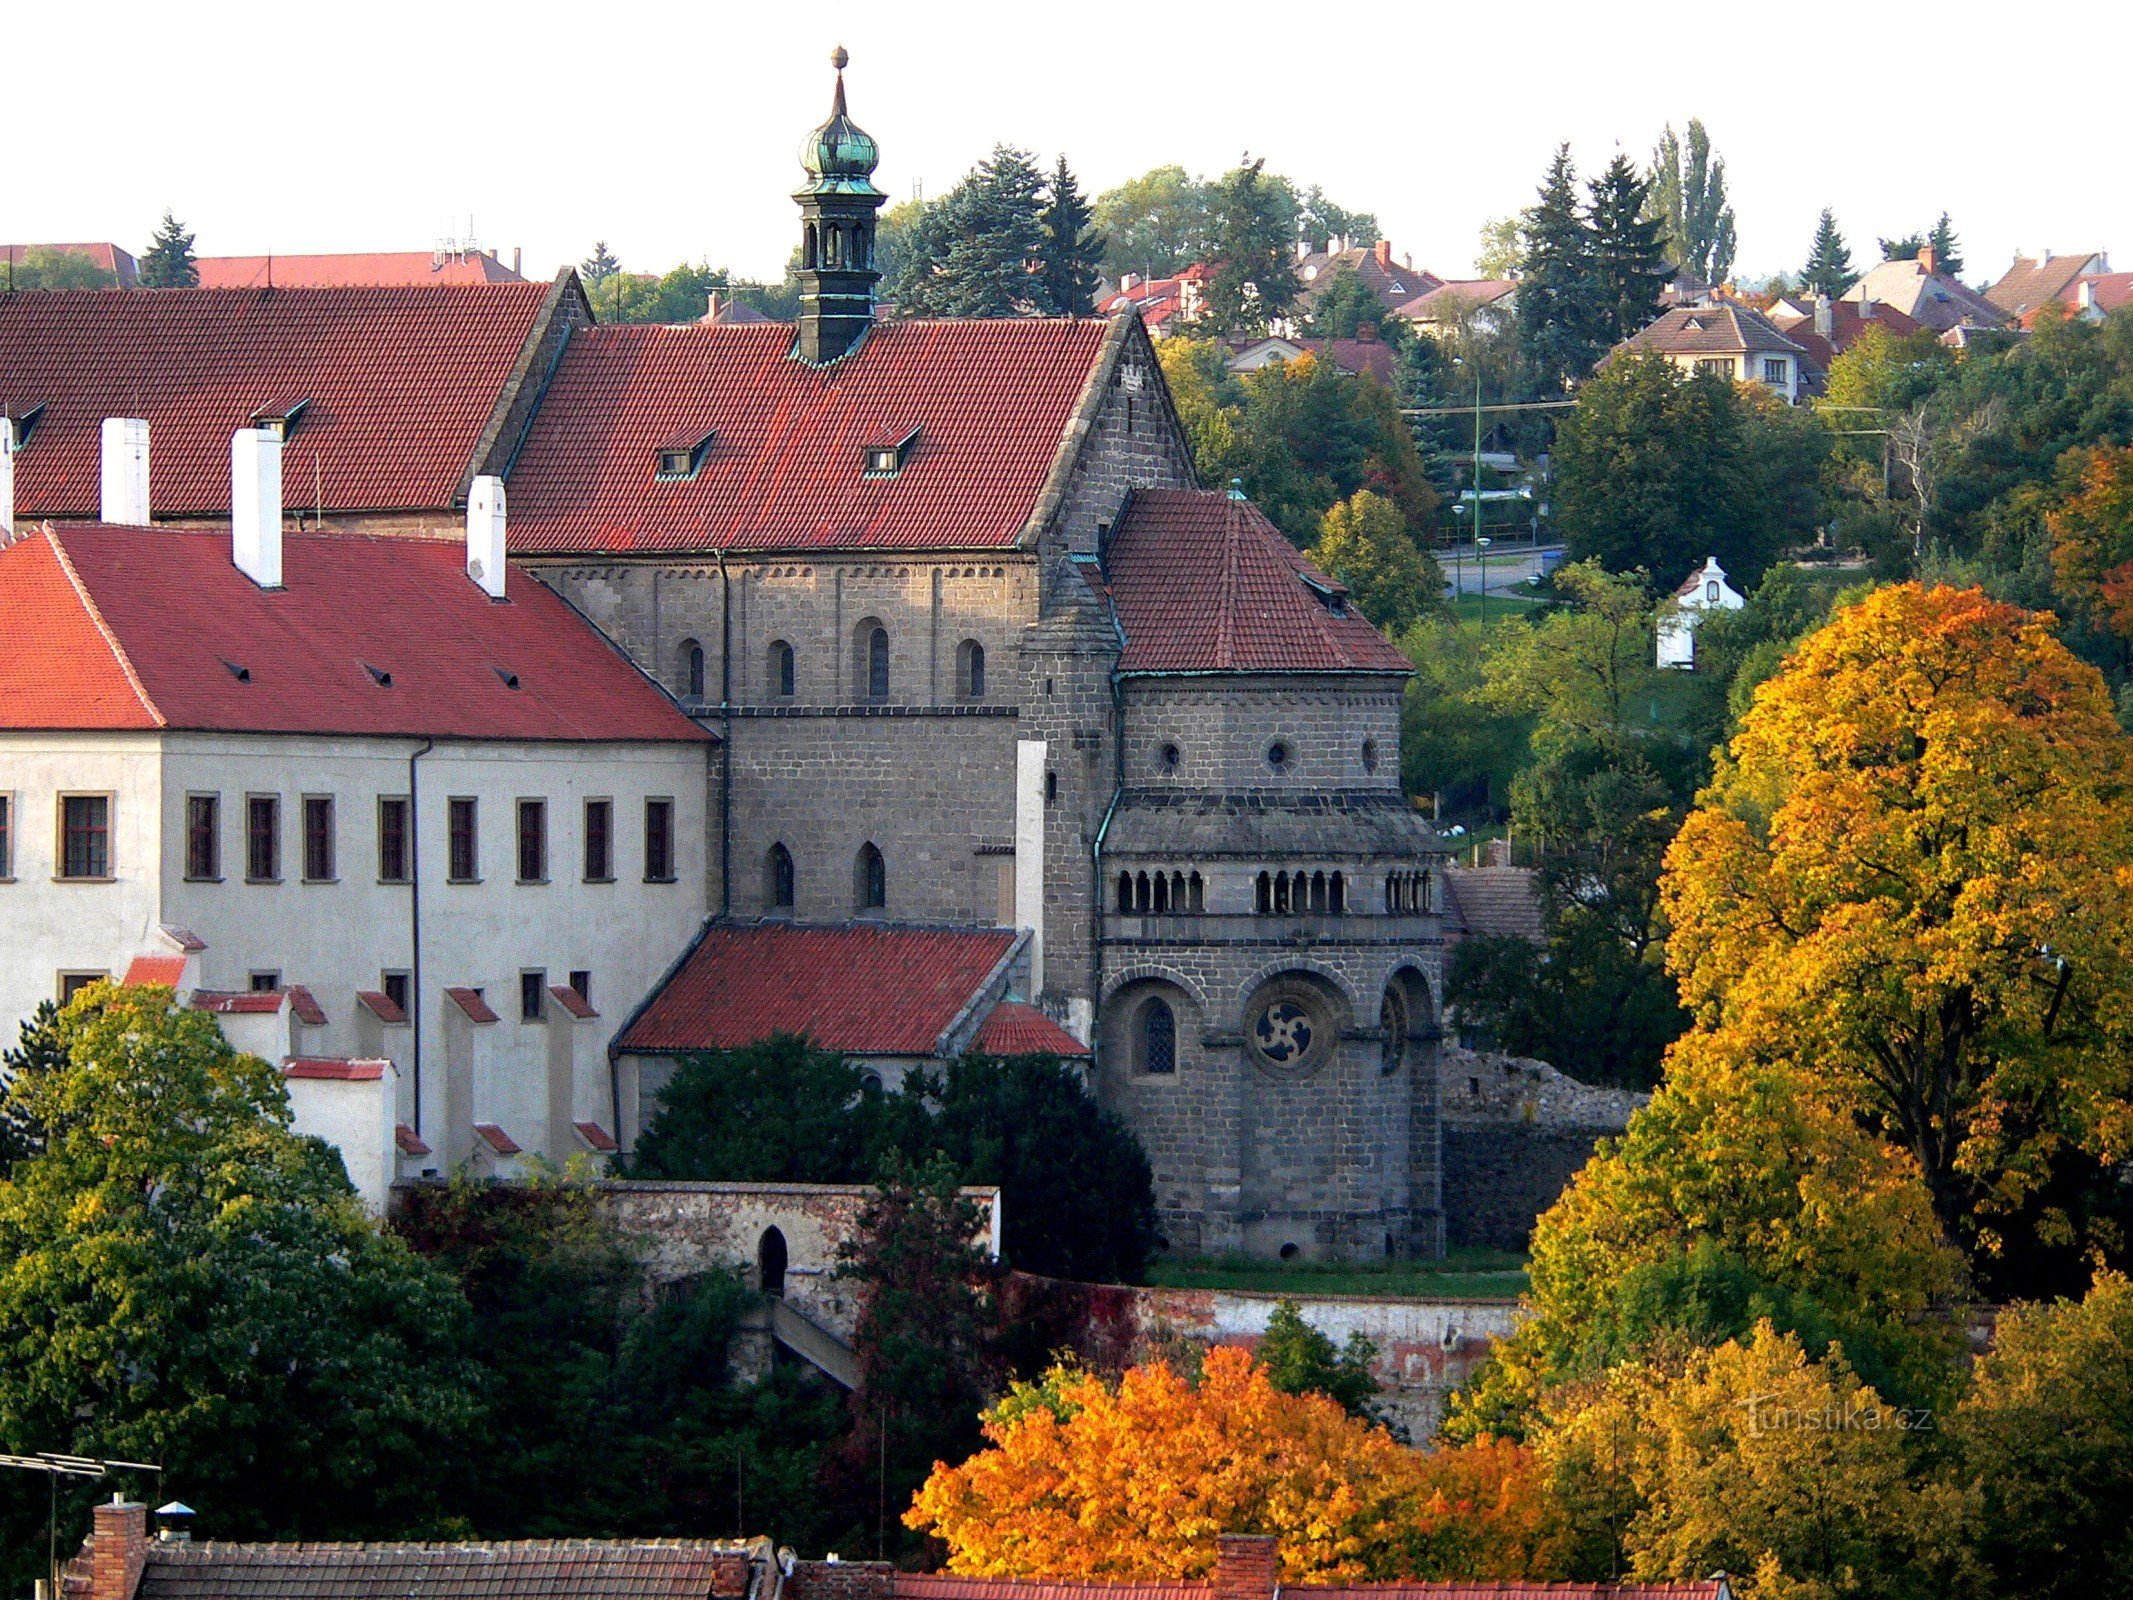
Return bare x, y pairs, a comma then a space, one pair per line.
1169, 757
1288, 1028
1370, 755
1277, 756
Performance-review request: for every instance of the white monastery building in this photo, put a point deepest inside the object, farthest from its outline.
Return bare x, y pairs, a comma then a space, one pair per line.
1703, 590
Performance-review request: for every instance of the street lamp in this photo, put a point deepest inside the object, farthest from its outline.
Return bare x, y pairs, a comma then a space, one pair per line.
1482, 545
1461, 361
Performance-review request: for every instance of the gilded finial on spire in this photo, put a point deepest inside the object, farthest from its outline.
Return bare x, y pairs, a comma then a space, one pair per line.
840, 58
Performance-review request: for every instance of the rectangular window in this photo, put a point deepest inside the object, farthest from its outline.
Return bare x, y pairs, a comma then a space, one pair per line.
464, 842
532, 995
265, 982
581, 979
1717, 366
318, 838
533, 841
203, 837
72, 983
659, 841
599, 841
1774, 369
85, 836
396, 989
7, 837
262, 838
393, 863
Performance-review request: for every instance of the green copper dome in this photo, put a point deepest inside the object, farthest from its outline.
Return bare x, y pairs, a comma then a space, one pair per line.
840, 156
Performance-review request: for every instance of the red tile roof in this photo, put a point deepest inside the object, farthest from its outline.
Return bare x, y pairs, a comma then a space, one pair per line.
496, 1139
1722, 329
597, 1137
409, 1141
992, 401
572, 1001
1444, 301
864, 988
104, 255
184, 938
308, 1011
149, 627
1014, 1029
580, 1569
380, 1006
240, 1002
1511, 1589
2107, 290
1204, 583
168, 971
374, 269
401, 383
950, 1586
470, 1002
333, 1069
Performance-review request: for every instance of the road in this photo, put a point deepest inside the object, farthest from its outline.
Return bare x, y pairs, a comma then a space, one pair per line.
1508, 568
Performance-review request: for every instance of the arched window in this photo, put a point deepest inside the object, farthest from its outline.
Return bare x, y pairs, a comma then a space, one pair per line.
784, 676
770, 1263
1392, 1019
1266, 893
1125, 892
692, 668
779, 888
808, 252
1158, 1037
1161, 907
1195, 894
830, 252
970, 670
871, 660
871, 879
1337, 895
1140, 892
1318, 893
1281, 893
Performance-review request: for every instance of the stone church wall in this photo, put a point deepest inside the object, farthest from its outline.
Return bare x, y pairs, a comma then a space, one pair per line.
1223, 733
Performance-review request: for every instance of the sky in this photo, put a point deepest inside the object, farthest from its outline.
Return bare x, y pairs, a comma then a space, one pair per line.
671, 131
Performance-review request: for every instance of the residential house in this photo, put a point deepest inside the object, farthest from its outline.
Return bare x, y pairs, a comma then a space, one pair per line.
1489, 303
1396, 284
1366, 352
1928, 296
2091, 298
1824, 329
446, 266
1726, 338
1700, 593
2038, 280
1164, 305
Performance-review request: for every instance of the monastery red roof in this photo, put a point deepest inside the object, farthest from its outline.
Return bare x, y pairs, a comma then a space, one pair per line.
113, 628
863, 988
237, 1002
498, 1140
333, 1069
1014, 1029
142, 971
366, 269
409, 1141
1204, 583
991, 402
381, 1005
401, 385
470, 1002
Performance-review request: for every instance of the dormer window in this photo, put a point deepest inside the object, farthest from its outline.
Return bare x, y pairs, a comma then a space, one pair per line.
886, 456
1330, 595
682, 457
279, 420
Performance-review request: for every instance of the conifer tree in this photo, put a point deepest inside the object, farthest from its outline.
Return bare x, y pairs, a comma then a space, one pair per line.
1829, 262
1627, 262
973, 253
1556, 326
1947, 249
1071, 248
1253, 250
598, 267
168, 261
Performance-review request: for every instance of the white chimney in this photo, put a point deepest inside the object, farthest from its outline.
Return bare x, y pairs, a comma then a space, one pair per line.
1822, 315
126, 471
7, 477
2087, 290
255, 505
485, 534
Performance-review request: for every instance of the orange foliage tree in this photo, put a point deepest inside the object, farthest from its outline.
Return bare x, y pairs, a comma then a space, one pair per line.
1086, 1479
1908, 879
2092, 535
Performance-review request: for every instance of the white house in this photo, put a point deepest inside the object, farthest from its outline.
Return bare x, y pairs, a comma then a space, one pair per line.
1703, 590
1726, 338
400, 817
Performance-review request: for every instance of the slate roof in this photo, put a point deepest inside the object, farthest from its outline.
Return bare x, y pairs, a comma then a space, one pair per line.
366, 269
1492, 901
117, 628
1724, 329
1204, 583
401, 385
521, 1570
991, 401
1015, 1029
863, 988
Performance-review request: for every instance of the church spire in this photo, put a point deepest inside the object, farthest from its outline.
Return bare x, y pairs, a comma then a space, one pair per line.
838, 203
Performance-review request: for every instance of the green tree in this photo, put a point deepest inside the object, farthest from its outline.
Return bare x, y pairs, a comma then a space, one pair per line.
40, 1049
1688, 199
1559, 332
777, 1111
168, 261
975, 250
1252, 238
1905, 248
1947, 249
1364, 542
1627, 263
1829, 263
1299, 1359
1070, 251
1319, 222
46, 268
1155, 224
1498, 251
1585, 670
186, 1281
1457, 746
1344, 306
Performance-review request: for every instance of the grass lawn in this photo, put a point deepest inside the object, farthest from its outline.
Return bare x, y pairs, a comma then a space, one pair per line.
1467, 608
1462, 1275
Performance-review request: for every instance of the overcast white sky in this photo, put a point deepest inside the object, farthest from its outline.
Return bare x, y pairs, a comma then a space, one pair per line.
670, 130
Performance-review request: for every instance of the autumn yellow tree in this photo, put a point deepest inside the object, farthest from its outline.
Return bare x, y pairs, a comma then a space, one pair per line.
1907, 883
1088, 1479
2092, 535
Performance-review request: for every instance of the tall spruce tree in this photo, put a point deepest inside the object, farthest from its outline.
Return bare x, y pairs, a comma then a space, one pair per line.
1829, 262
1557, 325
1947, 249
1627, 261
1072, 248
1254, 250
977, 251
168, 261
1688, 198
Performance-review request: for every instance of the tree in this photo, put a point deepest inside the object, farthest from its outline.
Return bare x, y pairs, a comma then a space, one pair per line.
1908, 878
1947, 249
1829, 263
1070, 251
1627, 264
598, 267
1345, 305
186, 1281
40, 1050
1456, 745
1252, 250
43, 267
974, 250
1319, 222
1154, 224
1497, 252
1083, 1478
1559, 331
1301, 1360
1905, 248
2092, 536
1584, 669
168, 261
1363, 541
778, 1111
1688, 200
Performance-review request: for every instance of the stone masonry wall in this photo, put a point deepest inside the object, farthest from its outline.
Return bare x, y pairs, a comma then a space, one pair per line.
1222, 733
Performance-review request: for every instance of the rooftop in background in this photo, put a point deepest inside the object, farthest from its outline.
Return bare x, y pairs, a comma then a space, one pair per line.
500, 1570
104, 256
146, 628
378, 269
1367, 354
1724, 328
397, 388
1394, 283
2034, 281
1929, 296
1445, 302
1202, 582
984, 407
1493, 902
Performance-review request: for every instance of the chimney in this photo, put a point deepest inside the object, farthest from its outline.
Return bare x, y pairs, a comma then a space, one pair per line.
7, 478
1384, 252
517, 266
1365, 332
2086, 288
485, 534
1245, 1567
1822, 315
1866, 306
1128, 282
255, 505
118, 1549
125, 471
1928, 262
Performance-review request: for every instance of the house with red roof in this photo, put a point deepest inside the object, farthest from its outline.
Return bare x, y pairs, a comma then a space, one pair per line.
1927, 295
1728, 339
1395, 285
359, 269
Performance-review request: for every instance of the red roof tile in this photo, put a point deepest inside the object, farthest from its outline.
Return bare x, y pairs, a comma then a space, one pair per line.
1015, 1029
540, 1569
373, 269
863, 988
308, 1011
572, 1001
496, 1139
950, 1586
184, 938
993, 401
1204, 583
471, 1002
241, 1002
147, 627
597, 1137
401, 384
334, 1069
1510, 1589
409, 1141
168, 971
380, 1006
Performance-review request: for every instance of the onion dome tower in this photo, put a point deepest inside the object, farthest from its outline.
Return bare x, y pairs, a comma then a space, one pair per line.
837, 211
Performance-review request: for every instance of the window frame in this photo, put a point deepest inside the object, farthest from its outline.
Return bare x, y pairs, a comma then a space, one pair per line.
252, 801
661, 806
328, 839
208, 870
266, 980
60, 859
398, 978
871, 878
402, 805
1775, 371
7, 836
784, 670
581, 979
452, 835
535, 806
70, 983
533, 994
1144, 1041
605, 833
784, 875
